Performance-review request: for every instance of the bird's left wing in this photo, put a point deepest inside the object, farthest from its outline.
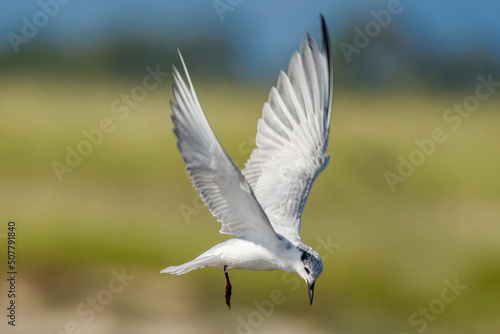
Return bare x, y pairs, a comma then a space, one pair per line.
223, 188
292, 137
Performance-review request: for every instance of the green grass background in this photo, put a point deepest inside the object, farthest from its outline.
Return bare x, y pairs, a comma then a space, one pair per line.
121, 208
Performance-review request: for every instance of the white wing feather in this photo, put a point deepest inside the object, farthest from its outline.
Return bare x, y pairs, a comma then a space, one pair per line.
223, 188
292, 137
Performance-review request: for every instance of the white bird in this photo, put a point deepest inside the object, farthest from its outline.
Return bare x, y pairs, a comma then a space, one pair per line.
262, 205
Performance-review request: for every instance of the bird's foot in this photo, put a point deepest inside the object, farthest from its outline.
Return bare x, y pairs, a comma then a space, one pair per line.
228, 289
228, 296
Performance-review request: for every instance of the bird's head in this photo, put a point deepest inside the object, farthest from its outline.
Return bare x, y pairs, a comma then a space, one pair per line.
309, 268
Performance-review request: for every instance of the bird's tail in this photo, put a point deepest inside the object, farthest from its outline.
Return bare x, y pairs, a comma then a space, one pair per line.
200, 262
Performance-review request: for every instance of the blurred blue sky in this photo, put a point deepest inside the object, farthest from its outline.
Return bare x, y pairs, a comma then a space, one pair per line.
261, 34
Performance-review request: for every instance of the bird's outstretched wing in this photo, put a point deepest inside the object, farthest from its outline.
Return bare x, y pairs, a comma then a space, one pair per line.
292, 136
222, 186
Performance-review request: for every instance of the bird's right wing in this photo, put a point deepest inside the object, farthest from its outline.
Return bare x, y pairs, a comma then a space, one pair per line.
292, 136
223, 188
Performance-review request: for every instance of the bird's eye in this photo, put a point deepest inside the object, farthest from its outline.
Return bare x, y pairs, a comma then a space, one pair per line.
307, 270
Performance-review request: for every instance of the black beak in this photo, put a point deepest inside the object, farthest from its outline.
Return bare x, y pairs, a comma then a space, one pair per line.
311, 292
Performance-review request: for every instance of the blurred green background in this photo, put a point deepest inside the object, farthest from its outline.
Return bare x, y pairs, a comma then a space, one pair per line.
91, 241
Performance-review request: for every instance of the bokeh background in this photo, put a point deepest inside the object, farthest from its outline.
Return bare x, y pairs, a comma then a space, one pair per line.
94, 230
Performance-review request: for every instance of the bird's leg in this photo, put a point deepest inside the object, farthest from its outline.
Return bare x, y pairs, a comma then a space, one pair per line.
228, 288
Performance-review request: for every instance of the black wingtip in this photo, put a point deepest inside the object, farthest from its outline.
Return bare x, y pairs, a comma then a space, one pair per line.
325, 44
322, 18
325, 38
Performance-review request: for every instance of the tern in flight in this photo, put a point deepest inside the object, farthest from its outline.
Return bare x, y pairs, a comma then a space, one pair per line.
262, 205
